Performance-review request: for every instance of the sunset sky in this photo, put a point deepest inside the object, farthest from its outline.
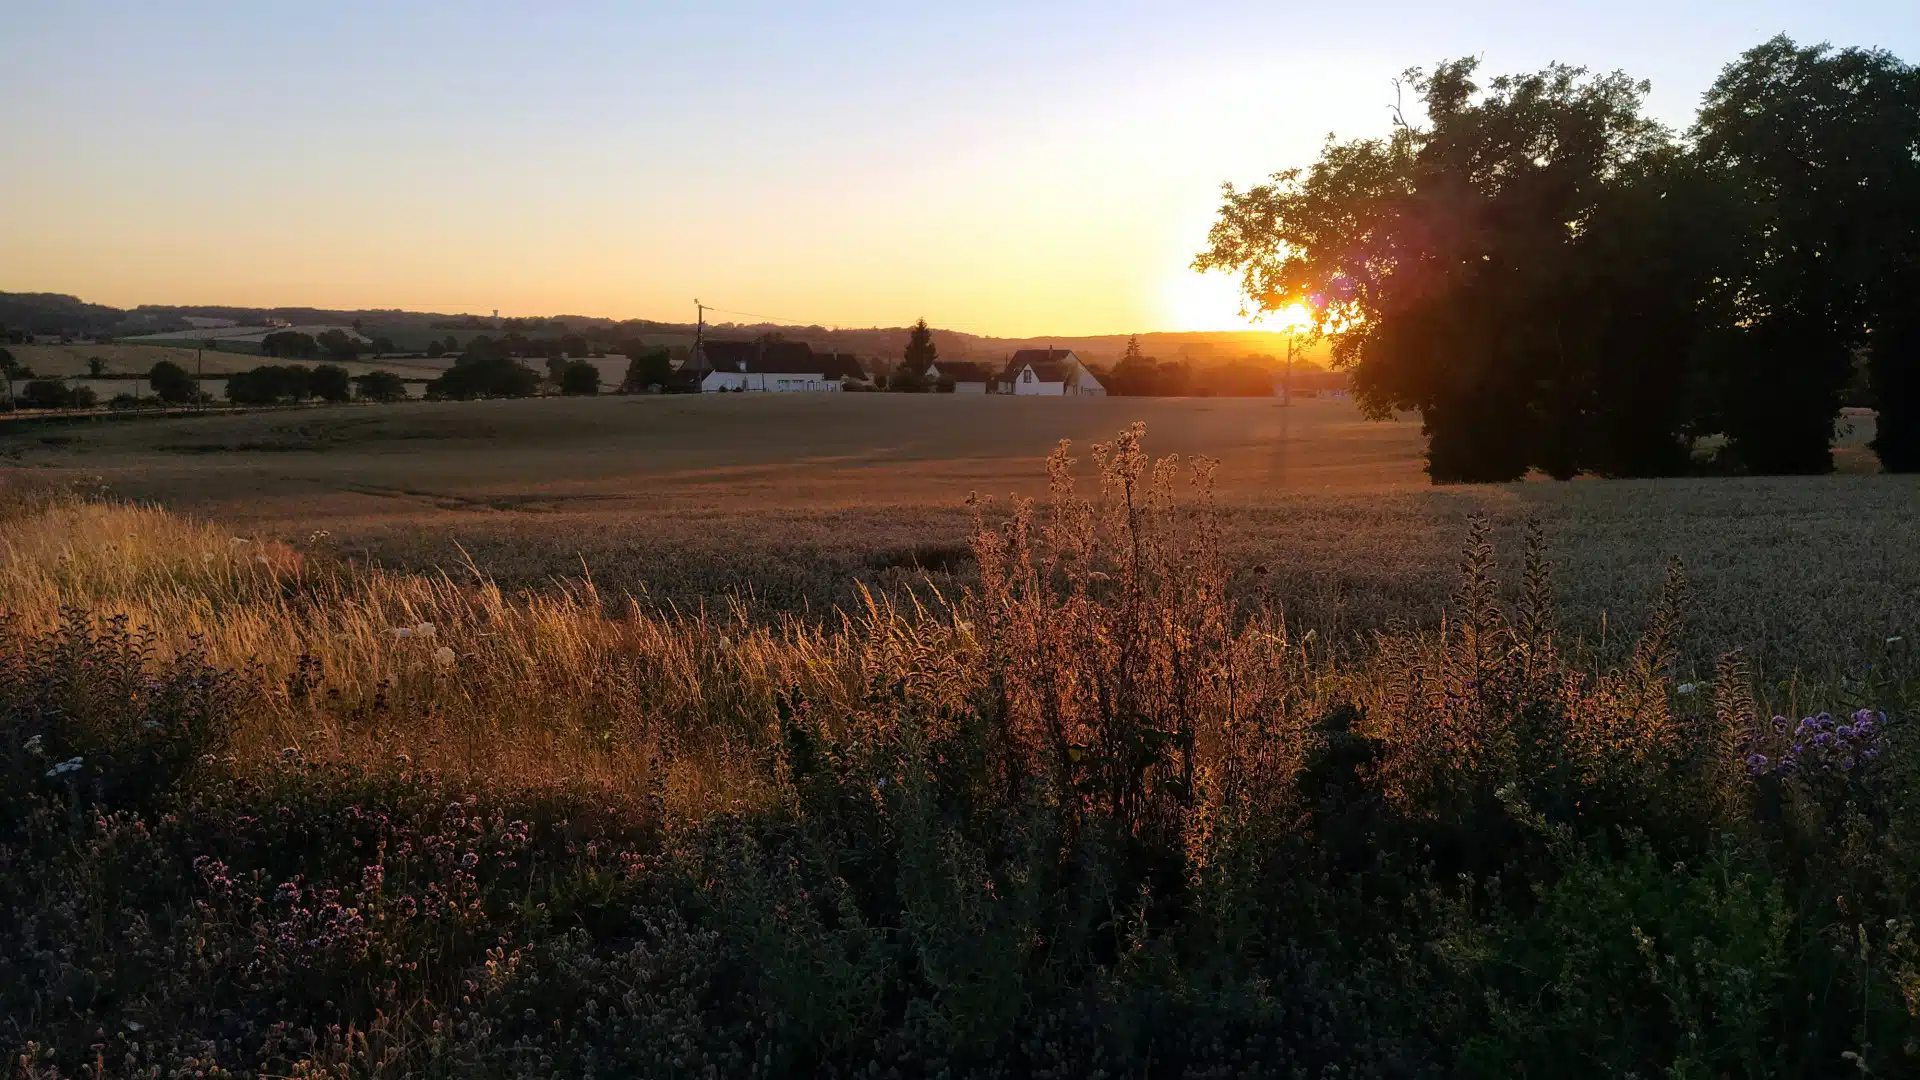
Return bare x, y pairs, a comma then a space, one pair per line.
1001, 168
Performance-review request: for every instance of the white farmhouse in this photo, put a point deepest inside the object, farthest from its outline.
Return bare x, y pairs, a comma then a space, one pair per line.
1049, 373
779, 367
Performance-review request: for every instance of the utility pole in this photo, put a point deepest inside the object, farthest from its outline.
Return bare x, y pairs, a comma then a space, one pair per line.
1286, 384
699, 329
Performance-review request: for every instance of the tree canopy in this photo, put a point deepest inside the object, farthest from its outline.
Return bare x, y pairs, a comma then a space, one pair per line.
1554, 280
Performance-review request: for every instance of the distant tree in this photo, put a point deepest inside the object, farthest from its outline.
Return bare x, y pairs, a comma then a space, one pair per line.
330, 382
270, 385
12, 369
382, 346
906, 380
172, 384
382, 386
556, 368
920, 353
1133, 348
435, 350
485, 371
338, 344
647, 367
451, 344
580, 377
290, 344
96, 366
55, 394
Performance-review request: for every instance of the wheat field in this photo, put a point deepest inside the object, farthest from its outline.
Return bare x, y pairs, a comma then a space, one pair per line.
794, 503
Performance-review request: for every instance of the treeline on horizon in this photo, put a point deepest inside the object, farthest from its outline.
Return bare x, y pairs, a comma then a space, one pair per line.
1556, 281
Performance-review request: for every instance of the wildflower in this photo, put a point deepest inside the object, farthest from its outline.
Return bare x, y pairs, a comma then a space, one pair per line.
32, 745
1780, 723
424, 630
1756, 764
1686, 688
443, 657
469, 860
65, 767
289, 753
1895, 640
261, 559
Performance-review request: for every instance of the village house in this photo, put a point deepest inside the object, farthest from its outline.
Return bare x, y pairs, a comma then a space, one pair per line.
774, 367
967, 378
1048, 373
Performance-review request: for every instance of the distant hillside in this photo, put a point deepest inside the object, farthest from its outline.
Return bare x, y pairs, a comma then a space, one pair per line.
51, 317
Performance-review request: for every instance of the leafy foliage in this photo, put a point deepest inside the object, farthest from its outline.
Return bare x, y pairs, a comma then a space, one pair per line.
1554, 281
382, 386
172, 384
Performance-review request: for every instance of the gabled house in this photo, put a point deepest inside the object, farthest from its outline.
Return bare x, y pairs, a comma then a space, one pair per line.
967, 378
1048, 373
773, 367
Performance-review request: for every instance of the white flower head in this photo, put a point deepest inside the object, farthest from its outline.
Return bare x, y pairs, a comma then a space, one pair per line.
65, 767
33, 744
1686, 688
261, 559
443, 657
424, 630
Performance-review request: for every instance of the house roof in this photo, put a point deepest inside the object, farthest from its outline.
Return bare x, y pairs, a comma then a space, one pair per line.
841, 366
960, 371
764, 358
1022, 357
1045, 370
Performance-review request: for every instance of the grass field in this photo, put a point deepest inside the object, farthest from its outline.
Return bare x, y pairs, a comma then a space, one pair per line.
797, 499
1152, 786
65, 360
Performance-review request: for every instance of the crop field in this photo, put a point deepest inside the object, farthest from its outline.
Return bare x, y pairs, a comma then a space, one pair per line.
1333, 774
122, 359
796, 501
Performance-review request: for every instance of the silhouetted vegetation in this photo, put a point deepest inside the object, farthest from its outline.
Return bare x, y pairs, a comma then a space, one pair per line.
290, 344
54, 394
270, 384
172, 384
485, 369
382, 386
579, 377
1555, 281
648, 367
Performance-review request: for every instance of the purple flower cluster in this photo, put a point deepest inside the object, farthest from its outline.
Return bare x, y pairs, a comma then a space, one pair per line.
1820, 745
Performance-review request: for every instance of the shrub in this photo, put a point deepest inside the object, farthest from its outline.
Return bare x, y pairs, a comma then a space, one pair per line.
579, 377
171, 383
329, 382
290, 343
485, 373
270, 385
55, 394
382, 386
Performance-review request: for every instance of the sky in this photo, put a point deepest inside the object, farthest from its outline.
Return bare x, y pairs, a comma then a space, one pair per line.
1013, 169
